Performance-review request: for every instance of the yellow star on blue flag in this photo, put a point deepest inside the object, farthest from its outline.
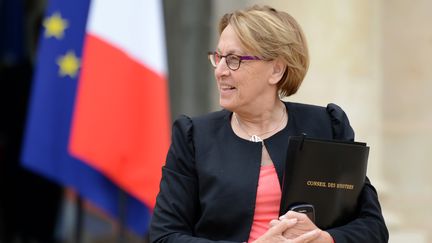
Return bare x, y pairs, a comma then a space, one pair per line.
55, 26
68, 64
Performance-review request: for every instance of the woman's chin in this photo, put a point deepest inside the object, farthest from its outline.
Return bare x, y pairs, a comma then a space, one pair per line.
226, 104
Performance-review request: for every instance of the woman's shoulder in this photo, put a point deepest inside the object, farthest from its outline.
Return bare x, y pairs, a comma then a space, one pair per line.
332, 110
331, 114
307, 112
215, 116
340, 123
209, 121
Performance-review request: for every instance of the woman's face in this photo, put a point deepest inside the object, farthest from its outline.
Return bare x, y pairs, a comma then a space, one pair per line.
242, 88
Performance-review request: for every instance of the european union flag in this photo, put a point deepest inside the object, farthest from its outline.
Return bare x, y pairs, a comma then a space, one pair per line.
45, 148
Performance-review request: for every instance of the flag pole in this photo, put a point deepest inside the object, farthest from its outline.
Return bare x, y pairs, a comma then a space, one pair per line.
79, 219
122, 206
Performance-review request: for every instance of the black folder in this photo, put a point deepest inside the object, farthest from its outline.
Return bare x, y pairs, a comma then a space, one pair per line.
327, 174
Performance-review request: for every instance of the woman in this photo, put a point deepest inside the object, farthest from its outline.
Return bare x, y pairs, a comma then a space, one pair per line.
221, 181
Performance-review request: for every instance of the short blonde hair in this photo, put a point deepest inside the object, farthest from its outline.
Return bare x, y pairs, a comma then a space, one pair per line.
270, 34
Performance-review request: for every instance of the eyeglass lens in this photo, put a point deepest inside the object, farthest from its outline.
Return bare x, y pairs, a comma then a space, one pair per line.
232, 61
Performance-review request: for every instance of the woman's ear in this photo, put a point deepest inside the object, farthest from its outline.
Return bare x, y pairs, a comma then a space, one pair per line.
278, 71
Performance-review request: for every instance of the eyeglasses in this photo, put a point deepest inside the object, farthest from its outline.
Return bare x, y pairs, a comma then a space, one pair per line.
233, 61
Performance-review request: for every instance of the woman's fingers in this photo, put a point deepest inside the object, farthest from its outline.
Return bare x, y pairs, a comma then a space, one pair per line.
307, 237
273, 223
293, 214
282, 225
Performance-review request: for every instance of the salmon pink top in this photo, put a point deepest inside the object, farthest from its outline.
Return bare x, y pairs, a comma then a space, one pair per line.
267, 201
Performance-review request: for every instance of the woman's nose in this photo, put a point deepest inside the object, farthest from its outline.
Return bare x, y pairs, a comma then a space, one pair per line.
221, 68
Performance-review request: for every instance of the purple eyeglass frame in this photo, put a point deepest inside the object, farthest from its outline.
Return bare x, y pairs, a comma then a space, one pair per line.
212, 54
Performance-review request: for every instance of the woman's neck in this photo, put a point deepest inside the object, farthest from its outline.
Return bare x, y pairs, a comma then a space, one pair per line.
260, 121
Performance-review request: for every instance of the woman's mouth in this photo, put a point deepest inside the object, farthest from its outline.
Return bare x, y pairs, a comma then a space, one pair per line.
226, 88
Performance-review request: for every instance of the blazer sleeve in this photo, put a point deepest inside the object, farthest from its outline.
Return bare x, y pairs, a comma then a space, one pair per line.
368, 225
177, 204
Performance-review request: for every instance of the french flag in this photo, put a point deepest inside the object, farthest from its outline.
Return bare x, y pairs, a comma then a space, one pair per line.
98, 118
120, 122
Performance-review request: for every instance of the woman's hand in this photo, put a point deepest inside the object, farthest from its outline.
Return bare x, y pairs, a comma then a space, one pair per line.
303, 226
277, 229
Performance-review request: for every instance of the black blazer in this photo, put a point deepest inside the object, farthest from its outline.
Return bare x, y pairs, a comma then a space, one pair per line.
209, 182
